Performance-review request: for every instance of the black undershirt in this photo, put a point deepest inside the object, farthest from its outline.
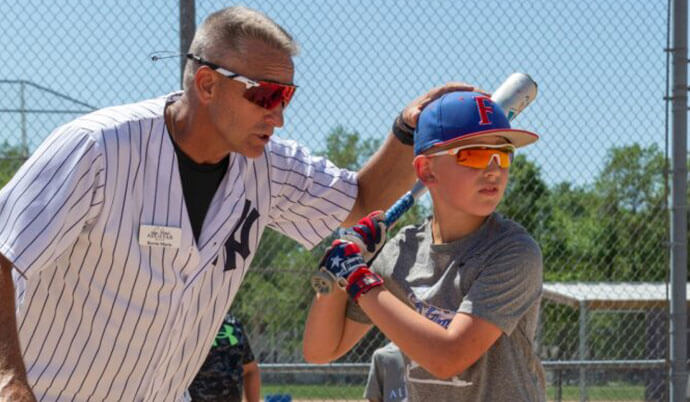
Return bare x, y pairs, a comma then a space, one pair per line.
200, 182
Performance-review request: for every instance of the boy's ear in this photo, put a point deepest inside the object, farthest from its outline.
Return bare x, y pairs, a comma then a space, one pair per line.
425, 172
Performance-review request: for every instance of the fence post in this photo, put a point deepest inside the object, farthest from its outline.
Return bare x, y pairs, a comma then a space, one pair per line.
583, 350
187, 28
679, 239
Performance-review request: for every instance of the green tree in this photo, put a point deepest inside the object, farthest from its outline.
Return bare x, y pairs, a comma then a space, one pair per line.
611, 230
347, 149
526, 198
11, 158
632, 214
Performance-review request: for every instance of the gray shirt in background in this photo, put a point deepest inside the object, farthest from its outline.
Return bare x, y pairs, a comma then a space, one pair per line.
386, 382
495, 274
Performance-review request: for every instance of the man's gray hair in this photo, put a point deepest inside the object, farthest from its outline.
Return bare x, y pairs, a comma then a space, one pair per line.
223, 31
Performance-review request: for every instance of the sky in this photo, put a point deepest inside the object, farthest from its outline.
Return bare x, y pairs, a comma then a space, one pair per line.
600, 66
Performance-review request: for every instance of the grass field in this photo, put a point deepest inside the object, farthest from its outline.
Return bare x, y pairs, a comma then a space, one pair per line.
569, 393
600, 393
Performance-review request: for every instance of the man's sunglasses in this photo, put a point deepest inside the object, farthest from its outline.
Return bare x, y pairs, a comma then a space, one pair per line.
479, 156
267, 94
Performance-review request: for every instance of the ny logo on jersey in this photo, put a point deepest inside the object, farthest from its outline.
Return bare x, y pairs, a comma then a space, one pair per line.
484, 109
232, 246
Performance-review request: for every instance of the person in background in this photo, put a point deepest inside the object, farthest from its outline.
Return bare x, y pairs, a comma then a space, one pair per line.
386, 381
230, 370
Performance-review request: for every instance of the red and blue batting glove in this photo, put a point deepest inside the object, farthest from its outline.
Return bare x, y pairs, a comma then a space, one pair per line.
345, 264
369, 234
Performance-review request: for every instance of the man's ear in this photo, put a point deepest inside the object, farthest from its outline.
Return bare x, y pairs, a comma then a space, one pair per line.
205, 82
424, 169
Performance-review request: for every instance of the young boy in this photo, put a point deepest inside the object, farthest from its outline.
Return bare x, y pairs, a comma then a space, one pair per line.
230, 372
386, 380
459, 294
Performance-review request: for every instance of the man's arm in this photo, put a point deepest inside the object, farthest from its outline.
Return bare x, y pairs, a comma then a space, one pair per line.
392, 163
251, 378
13, 381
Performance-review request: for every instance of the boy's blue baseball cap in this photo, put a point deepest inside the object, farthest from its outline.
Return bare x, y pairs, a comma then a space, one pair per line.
458, 116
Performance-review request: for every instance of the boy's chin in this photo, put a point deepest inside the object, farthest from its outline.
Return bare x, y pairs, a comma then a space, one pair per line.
484, 210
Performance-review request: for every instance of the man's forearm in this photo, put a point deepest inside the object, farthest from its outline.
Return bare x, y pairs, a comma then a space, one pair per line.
13, 383
383, 179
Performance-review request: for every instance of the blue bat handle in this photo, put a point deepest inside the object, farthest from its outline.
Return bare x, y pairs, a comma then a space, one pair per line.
404, 203
399, 208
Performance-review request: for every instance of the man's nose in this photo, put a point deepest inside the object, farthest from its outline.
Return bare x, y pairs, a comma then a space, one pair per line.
274, 117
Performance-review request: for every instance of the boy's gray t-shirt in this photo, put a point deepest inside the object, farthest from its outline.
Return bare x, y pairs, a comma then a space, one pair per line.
386, 380
495, 274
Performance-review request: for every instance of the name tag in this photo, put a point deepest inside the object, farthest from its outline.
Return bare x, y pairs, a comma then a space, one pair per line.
160, 236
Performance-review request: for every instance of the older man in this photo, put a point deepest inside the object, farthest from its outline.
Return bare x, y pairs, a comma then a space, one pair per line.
126, 235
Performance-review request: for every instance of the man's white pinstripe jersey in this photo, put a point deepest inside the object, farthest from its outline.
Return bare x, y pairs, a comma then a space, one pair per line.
102, 317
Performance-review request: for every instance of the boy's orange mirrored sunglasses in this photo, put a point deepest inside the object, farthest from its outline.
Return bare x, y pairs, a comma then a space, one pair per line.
479, 156
267, 94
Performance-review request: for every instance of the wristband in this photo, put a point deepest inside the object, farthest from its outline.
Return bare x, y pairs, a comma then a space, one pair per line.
361, 281
403, 131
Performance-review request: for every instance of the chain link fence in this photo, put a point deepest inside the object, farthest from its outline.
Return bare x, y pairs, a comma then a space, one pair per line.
593, 191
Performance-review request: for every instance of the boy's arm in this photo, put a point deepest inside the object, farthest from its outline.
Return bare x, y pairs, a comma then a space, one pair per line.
328, 333
13, 382
467, 337
251, 378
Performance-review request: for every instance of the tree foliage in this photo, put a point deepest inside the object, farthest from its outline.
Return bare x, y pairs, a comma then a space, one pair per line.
613, 230
11, 158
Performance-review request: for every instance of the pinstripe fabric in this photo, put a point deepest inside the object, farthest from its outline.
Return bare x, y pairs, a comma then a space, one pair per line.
103, 318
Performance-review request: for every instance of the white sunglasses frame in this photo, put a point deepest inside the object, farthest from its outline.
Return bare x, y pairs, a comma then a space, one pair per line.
454, 151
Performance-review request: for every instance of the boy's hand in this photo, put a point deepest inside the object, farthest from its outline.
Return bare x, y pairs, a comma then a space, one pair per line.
369, 234
340, 260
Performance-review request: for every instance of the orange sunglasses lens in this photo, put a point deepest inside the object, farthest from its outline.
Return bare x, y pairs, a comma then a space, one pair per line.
480, 158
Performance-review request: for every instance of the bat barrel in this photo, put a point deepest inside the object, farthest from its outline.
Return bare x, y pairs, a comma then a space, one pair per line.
515, 93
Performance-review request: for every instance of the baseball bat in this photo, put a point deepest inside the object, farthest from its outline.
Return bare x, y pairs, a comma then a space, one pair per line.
513, 96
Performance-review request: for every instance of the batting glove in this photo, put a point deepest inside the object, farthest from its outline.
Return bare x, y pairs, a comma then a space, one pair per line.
340, 260
369, 234
344, 263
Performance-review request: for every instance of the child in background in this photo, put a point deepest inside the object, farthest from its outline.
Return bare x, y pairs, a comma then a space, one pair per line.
386, 381
230, 370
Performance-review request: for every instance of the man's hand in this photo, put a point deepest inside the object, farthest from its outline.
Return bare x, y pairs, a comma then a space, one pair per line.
410, 114
369, 234
13, 390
